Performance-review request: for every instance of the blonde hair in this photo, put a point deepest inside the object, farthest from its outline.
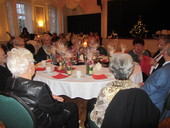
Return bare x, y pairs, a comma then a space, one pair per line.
18, 60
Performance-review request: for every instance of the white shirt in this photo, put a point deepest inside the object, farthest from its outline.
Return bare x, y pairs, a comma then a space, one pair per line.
157, 58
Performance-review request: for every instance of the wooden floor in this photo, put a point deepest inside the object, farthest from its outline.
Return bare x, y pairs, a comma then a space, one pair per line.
82, 112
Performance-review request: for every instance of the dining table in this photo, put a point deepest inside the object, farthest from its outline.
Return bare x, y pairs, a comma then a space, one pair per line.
86, 86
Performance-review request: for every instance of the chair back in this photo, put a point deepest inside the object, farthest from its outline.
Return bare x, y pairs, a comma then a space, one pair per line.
14, 113
131, 108
166, 106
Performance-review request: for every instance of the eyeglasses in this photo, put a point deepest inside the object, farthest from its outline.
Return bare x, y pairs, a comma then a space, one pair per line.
19, 44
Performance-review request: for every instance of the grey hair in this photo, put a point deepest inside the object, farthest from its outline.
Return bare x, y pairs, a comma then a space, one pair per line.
121, 66
166, 39
18, 60
46, 36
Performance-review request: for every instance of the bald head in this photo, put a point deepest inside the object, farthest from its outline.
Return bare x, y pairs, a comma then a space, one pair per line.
166, 52
18, 42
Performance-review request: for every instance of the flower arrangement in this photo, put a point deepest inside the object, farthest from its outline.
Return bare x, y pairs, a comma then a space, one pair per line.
139, 30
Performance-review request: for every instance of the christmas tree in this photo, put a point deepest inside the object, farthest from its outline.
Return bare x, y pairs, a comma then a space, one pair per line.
139, 30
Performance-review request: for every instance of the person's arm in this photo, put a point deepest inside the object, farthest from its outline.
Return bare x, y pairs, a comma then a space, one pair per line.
58, 98
154, 82
47, 103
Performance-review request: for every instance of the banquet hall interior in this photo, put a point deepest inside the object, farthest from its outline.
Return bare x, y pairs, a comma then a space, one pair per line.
114, 22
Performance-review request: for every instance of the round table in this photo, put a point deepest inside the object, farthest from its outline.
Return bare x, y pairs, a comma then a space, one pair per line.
85, 87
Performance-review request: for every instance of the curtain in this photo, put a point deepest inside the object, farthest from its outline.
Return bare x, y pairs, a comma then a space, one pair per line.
28, 14
52, 19
10, 18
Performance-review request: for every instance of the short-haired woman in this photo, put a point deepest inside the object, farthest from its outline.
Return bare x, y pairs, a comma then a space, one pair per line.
121, 66
49, 112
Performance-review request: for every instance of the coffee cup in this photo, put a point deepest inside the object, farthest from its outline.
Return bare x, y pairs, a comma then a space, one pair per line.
48, 69
43, 62
78, 74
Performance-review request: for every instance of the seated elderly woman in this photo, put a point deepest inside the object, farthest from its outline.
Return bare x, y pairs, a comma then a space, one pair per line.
121, 66
50, 110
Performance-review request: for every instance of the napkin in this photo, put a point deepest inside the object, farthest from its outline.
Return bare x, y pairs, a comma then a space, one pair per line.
145, 64
40, 69
60, 76
99, 77
104, 60
57, 70
48, 60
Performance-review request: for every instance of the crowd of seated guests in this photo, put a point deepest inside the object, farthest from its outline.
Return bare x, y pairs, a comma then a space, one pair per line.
156, 83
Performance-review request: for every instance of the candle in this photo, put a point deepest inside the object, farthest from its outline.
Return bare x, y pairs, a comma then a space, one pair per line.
85, 44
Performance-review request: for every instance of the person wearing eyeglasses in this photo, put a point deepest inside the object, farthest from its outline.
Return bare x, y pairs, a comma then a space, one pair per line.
50, 110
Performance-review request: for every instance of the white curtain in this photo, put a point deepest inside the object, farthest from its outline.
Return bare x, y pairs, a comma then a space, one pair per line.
52, 19
71, 4
10, 18
28, 14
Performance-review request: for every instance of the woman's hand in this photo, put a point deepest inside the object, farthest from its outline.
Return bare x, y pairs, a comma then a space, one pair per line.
141, 84
153, 62
58, 98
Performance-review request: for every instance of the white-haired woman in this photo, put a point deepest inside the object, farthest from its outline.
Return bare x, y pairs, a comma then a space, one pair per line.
121, 66
49, 112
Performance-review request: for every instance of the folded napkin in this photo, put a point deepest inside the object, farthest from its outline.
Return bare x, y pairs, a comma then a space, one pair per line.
60, 76
57, 70
40, 69
99, 77
48, 60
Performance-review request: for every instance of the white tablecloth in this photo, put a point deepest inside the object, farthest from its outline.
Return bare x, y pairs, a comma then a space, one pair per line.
85, 87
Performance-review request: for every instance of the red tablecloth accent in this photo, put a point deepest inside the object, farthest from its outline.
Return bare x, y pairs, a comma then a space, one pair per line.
40, 69
99, 77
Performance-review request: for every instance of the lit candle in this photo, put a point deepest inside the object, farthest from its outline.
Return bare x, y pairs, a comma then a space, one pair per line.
85, 44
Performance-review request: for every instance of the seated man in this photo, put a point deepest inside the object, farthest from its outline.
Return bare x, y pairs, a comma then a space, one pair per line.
50, 110
158, 83
158, 60
45, 52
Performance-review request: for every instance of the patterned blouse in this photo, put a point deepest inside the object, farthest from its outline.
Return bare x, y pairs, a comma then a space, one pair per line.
106, 95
